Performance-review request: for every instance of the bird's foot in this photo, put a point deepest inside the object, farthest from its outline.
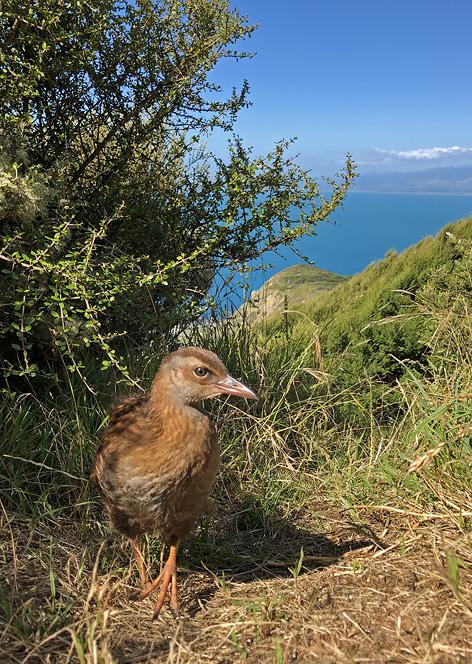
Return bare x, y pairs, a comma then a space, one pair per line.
167, 580
147, 589
135, 595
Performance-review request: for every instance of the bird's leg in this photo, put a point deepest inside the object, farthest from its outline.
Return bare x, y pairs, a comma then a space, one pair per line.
143, 575
167, 577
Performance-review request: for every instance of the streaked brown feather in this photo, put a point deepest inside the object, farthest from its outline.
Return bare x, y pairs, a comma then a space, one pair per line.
155, 466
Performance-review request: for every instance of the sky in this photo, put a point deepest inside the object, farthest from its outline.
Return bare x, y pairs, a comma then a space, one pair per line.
389, 82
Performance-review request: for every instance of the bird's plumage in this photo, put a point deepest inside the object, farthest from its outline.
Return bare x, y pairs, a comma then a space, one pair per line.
159, 456
157, 464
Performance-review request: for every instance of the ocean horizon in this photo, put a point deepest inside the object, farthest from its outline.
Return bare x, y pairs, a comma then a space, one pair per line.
363, 230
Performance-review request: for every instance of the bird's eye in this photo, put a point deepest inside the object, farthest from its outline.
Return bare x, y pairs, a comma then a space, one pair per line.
200, 372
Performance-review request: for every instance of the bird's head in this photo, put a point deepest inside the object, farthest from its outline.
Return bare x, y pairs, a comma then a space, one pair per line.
193, 374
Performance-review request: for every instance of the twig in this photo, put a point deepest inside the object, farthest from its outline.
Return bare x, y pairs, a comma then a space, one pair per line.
43, 465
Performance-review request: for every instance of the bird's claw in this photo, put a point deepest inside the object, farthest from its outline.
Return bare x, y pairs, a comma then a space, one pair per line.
175, 611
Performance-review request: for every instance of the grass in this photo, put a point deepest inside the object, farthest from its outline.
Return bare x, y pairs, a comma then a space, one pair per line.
370, 322
334, 538
297, 280
292, 287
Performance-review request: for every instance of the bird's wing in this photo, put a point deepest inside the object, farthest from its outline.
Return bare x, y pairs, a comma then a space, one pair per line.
126, 428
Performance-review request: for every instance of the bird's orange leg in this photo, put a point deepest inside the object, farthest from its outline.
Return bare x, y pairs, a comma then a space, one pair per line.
167, 577
143, 575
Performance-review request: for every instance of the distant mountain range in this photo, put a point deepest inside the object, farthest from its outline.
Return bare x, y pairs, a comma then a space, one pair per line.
444, 180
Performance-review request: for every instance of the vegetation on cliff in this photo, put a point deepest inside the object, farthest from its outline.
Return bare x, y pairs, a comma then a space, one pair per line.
114, 213
372, 326
289, 288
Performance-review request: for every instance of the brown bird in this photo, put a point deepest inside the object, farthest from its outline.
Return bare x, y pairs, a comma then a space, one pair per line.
159, 458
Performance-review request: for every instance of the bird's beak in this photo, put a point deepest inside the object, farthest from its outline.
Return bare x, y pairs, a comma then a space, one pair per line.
230, 385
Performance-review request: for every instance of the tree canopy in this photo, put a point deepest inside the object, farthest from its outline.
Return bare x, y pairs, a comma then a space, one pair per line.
115, 214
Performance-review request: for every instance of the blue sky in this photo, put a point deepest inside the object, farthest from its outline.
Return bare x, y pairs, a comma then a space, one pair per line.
389, 82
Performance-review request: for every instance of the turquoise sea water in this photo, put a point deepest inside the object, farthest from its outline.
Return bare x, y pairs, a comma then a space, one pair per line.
366, 228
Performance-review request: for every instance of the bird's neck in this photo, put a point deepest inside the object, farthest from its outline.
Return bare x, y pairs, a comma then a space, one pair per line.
167, 402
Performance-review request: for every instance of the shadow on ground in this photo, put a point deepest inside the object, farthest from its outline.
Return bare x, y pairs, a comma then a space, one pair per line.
246, 545
239, 546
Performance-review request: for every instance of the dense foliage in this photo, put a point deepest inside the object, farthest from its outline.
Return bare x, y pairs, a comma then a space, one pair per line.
115, 214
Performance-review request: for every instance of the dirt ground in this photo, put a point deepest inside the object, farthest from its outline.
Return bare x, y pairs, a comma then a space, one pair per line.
401, 595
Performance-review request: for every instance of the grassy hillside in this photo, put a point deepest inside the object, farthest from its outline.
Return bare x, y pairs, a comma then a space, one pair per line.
339, 534
371, 325
292, 287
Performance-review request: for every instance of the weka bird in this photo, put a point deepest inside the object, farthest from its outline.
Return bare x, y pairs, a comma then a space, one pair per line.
159, 458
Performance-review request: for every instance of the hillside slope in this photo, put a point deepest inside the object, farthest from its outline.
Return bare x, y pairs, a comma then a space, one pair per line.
339, 533
294, 286
372, 323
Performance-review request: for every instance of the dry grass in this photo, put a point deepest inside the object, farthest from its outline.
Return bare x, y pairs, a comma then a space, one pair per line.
397, 590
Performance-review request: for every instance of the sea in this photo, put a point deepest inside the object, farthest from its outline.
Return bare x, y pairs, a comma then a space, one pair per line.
364, 229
